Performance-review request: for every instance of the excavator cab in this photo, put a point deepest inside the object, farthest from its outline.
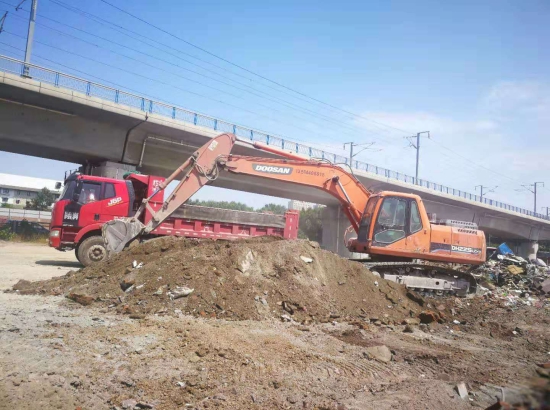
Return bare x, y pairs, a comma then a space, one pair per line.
395, 226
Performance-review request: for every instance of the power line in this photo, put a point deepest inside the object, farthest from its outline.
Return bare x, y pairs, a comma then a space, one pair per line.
245, 69
264, 95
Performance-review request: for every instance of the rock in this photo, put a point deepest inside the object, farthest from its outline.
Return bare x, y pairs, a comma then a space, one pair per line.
428, 316
292, 399
179, 292
415, 297
408, 329
202, 351
263, 301
380, 353
128, 280
306, 259
545, 286
84, 300
286, 318
142, 405
462, 390
137, 316
441, 308
220, 397
411, 321
129, 404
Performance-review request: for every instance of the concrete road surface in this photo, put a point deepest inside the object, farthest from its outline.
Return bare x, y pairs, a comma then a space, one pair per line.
32, 262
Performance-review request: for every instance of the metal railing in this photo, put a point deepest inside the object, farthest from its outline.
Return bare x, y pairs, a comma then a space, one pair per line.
20, 214
144, 104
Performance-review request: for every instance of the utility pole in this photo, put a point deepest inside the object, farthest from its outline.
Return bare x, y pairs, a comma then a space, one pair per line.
417, 148
547, 210
481, 187
352, 154
533, 191
30, 36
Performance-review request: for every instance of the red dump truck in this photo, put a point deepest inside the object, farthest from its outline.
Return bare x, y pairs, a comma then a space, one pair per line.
87, 202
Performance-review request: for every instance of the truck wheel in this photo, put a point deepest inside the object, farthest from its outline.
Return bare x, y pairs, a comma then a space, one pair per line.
91, 250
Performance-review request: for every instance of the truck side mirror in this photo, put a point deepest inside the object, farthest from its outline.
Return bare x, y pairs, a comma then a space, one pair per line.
58, 185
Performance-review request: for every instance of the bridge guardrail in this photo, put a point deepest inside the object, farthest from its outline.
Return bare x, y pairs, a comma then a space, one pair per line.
92, 89
20, 214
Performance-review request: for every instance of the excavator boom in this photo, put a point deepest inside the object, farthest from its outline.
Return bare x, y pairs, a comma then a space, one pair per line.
204, 167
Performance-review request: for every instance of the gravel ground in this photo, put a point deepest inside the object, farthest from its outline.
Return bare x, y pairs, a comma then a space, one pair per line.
56, 354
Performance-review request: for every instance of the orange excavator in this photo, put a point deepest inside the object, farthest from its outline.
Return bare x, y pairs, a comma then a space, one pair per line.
393, 228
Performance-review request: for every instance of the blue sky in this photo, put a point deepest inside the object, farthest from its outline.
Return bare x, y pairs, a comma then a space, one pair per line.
473, 73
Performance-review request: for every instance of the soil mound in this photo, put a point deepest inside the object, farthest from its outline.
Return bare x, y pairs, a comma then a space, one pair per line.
249, 279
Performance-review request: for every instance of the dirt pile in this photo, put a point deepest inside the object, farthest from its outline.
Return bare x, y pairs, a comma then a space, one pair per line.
252, 279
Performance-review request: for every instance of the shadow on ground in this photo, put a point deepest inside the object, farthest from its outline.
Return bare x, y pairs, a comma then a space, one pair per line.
64, 264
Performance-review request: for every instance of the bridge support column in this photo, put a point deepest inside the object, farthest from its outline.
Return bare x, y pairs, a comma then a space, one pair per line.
335, 224
528, 250
113, 170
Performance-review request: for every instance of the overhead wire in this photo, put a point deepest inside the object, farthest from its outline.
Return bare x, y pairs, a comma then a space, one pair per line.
263, 96
367, 119
72, 8
244, 68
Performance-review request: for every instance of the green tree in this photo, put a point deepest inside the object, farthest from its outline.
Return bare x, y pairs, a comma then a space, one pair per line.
236, 206
311, 225
42, 201
7, 206
274, 208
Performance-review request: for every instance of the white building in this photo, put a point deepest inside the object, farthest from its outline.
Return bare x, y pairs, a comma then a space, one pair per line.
301, 205
17, 190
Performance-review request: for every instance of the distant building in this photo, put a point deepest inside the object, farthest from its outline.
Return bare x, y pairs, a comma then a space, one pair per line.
301, 205
17, 190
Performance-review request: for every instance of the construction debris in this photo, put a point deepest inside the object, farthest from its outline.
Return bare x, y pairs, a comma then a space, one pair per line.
513, 279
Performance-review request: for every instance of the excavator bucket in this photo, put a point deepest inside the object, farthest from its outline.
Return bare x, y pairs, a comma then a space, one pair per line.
197, 171
119, 233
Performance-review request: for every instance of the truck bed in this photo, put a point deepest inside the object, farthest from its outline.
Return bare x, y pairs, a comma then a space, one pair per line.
213, 223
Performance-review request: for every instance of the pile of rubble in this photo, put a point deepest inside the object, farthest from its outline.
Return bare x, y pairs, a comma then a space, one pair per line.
254, 279
514, 279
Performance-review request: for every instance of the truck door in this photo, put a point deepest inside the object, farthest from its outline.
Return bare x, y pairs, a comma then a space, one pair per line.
114, 201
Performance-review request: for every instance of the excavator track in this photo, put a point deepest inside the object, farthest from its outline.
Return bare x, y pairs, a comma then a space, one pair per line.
426, 278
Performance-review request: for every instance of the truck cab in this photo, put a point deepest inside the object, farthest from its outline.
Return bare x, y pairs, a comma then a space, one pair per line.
85, 203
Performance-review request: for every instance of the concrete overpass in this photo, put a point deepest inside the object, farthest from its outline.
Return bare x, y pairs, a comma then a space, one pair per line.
58, 116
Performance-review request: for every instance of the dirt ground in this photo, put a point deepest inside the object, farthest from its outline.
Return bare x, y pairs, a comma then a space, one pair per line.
57, 354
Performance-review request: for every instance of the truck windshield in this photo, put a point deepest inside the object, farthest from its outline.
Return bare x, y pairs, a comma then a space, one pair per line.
68, 190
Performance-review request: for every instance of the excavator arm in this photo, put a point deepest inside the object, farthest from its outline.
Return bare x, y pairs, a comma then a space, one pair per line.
205, 165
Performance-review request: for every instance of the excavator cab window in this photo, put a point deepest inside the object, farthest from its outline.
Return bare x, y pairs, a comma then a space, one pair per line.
415, 221
390, 224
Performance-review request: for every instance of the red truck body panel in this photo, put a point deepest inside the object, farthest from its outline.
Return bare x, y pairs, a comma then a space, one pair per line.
87, 202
